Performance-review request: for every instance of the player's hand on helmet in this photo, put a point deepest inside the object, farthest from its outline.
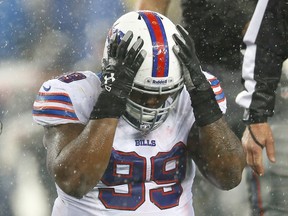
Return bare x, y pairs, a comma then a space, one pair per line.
119, 71
205, 106
186, 53
121, 66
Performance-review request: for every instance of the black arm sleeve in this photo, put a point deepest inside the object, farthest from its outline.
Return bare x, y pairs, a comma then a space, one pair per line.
267, 46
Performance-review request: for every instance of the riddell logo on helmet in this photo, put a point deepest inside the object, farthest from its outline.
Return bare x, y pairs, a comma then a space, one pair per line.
160, 82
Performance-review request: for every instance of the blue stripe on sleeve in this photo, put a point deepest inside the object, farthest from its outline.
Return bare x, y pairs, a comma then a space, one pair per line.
54, 112
60, 98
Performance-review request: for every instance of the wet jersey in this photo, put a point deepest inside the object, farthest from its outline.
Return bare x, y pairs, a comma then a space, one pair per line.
147, 174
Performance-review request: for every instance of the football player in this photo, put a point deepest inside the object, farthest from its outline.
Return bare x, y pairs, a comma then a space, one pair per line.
126, 141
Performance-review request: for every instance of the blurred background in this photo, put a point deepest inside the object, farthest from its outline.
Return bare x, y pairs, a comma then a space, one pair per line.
41, 39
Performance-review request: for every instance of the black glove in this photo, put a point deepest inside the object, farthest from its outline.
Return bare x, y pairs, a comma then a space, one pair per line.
205, 106
119, 71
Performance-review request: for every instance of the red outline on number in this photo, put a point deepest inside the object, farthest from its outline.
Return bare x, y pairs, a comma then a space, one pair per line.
101, 190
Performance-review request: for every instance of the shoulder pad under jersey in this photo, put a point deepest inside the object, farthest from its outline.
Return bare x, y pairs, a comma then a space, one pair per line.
67, 99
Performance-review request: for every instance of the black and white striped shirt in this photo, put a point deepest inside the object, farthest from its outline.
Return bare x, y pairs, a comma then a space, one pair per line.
266, 42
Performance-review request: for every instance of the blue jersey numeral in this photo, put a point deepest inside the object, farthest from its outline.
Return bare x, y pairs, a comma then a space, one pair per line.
127, 171
68, 78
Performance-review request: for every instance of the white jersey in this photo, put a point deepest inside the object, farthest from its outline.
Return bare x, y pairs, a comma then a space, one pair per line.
146, 175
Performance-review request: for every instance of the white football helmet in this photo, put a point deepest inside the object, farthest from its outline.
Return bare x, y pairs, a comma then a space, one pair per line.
160, 73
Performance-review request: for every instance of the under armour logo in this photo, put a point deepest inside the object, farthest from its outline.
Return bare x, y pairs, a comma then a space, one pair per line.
108, 78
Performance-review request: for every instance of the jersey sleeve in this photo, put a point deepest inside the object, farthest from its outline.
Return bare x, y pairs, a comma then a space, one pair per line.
67, 99
218, 91
185, 110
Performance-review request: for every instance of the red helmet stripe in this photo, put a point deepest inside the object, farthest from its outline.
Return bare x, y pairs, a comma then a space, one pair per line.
160, 45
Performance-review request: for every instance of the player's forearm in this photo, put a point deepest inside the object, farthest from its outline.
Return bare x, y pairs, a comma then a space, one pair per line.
160, 6
220, 155
80, 164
